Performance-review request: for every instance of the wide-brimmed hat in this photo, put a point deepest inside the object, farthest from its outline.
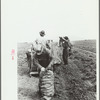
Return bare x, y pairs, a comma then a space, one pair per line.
65, 38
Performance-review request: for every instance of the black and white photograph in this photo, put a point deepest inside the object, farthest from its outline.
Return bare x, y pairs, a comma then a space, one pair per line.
50, 50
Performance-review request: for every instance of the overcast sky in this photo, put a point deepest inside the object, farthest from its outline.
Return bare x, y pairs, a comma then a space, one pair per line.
24, 19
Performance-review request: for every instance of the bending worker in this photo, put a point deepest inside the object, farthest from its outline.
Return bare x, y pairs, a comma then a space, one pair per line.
44, 61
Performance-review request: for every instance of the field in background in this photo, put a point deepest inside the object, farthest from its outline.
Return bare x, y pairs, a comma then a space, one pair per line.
89, 45
76, 81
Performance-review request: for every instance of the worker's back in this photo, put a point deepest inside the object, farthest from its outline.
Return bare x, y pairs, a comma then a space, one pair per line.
44, 59
65, 44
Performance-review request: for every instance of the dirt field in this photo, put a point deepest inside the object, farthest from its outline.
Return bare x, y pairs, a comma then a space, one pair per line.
75, 81
89, 45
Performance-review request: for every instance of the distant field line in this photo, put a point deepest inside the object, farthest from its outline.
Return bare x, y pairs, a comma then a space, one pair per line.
85, 50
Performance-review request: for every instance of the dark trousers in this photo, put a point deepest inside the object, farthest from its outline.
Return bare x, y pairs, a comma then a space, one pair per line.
65, 55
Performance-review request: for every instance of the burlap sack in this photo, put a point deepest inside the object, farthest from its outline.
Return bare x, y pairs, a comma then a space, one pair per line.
46, 84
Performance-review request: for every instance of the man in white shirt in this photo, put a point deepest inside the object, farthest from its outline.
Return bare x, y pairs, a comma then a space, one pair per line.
41, 38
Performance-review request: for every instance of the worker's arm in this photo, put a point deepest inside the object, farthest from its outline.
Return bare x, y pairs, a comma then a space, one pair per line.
53, 61
69, 44
35, 61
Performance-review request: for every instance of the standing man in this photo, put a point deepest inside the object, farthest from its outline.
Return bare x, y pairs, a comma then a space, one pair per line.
42, 39
66, 46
